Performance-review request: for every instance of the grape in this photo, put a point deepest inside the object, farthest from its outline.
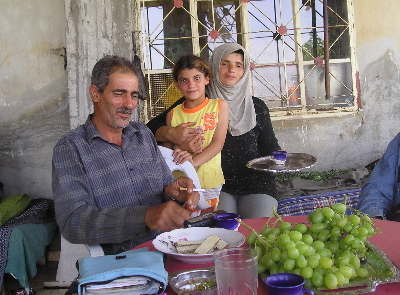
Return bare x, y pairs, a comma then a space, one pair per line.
285, 226
339, 207
301, 262
362, 272
316, 217
317, 279
276, 254
301, 228
307, 272
325, 263
307, 239
330, 281
354, 219
295, 235
328, 212
347, 271
289, 264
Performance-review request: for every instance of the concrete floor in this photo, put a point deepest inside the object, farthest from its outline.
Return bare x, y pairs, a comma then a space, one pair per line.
46, 273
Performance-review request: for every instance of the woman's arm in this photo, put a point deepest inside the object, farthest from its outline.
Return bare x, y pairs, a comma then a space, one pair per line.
218, 139
183, 135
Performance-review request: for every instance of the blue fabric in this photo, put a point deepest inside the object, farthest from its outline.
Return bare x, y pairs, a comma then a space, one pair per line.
139, 262
304, 205
26, 246
382, 190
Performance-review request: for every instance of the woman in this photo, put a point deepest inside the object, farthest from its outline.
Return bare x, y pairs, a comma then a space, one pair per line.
248, 192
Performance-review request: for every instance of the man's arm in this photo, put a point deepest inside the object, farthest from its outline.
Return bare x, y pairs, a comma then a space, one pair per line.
377, 195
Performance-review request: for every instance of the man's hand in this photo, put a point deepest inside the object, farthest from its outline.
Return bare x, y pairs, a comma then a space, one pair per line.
188, 196
166, 217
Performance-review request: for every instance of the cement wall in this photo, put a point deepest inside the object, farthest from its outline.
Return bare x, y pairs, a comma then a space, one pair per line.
33, 104
36, 110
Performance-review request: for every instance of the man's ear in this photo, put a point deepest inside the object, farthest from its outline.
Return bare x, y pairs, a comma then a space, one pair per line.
94, 93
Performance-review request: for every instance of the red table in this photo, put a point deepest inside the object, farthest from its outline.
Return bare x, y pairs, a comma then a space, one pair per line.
388, 241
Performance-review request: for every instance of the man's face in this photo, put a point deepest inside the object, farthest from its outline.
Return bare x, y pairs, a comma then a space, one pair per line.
114, 107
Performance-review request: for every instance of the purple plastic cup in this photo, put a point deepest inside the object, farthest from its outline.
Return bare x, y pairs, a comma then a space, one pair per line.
286, 284
279, 157
227, 221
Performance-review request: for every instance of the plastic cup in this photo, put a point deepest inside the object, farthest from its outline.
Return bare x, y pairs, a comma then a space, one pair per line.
279, 157
286, 284
236, 271
227, 221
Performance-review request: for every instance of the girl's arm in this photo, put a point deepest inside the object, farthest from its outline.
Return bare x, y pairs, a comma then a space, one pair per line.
218, 139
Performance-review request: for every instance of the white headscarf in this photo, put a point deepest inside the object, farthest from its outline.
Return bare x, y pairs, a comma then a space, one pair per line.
242, 116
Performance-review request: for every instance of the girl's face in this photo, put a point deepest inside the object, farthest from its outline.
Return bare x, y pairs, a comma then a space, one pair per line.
192, 83
231, 69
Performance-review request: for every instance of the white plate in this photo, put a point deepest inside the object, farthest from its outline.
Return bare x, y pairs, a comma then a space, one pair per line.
165, 241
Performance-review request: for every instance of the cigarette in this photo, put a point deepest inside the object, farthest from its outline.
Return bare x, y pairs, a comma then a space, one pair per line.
194, 190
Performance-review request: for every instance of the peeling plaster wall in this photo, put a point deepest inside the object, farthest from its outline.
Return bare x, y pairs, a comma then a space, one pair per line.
33, 104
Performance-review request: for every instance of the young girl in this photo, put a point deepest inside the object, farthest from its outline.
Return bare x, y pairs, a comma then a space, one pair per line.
191, 75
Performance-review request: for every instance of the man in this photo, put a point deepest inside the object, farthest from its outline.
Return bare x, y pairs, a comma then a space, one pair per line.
111, 184
381, 194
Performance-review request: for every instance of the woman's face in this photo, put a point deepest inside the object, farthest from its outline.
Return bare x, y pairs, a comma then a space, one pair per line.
231, 69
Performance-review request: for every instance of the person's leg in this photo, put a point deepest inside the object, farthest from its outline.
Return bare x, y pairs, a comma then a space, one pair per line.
228, 203
256, 205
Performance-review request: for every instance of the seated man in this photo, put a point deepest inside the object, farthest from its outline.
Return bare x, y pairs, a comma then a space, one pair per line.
381, 192
111, 185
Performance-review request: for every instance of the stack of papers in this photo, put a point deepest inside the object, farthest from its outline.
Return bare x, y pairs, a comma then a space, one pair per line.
123, 286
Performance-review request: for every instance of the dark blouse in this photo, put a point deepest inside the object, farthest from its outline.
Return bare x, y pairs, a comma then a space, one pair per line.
238, 150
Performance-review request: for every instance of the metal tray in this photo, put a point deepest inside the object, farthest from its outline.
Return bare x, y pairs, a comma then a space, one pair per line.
183, 282
382, 271
294, 162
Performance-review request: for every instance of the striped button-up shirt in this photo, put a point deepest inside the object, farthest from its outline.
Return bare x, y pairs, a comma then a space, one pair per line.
101, 190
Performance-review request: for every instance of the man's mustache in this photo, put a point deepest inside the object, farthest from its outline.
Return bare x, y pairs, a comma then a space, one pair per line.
124, 111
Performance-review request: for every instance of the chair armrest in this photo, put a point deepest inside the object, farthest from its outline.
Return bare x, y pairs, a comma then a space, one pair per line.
95, 250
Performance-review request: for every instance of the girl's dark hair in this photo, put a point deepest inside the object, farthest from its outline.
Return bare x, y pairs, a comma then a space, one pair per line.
191, 61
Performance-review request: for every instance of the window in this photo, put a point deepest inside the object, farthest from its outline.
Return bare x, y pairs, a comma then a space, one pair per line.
303, 63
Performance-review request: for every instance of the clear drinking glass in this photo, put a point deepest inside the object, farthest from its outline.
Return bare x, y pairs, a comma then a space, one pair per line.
236, 271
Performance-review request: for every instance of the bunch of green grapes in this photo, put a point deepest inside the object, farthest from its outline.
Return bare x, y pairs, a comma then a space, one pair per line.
328, 251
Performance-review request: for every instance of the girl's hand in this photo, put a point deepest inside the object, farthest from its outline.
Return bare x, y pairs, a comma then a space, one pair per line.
182, 156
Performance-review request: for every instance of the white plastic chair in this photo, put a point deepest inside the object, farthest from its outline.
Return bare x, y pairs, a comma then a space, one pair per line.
188, 169
70, 253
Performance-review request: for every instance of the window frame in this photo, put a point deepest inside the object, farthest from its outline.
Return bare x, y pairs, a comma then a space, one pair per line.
285, 111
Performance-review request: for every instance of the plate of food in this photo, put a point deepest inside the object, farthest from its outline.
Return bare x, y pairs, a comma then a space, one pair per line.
197, 244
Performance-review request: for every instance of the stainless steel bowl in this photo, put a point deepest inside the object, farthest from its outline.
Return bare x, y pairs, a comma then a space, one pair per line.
185, 282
